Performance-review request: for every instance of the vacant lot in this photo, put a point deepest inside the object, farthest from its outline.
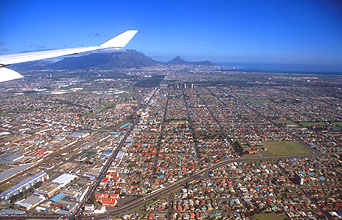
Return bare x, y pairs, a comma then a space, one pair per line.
283, 148
309, 124
270, 216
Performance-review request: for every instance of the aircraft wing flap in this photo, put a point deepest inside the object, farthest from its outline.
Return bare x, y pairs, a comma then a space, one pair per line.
8, 74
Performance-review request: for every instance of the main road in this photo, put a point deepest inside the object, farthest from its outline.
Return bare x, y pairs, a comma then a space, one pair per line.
157, 193
109, 162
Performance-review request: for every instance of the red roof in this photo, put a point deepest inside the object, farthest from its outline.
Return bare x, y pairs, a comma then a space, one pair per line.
97, 195
108, 202
113, 195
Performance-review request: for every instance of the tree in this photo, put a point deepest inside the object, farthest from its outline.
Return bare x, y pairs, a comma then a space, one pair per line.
92, 199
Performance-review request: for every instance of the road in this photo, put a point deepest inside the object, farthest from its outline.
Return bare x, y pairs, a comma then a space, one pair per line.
162, 126
154, 195
109, 162
191, 126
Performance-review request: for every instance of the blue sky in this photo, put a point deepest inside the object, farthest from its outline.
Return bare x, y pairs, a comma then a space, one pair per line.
266, 31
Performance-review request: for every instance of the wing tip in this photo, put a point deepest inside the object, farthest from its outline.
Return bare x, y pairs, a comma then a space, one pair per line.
120, 40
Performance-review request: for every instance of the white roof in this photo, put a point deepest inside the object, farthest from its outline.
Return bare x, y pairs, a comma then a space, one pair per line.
64, 179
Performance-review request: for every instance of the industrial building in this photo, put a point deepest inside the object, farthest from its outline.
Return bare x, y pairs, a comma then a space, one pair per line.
51, 188
30, 202
10, 158
13, 171
48, 189
42, 176
64, 179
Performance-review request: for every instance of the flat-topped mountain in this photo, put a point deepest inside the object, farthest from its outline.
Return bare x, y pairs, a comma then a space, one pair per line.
104, 60
130, 58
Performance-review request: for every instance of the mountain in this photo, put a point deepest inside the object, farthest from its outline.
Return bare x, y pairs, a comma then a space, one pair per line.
128, 59
179, 61
39, 64
104, 60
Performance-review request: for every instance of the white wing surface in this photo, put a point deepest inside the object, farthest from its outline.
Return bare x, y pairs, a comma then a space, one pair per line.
6, 74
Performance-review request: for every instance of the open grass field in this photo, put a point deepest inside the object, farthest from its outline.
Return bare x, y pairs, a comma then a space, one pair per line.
338, 123
206, 96
107, 105
87, 153
309, 124
284, 148
4, 114
270, 216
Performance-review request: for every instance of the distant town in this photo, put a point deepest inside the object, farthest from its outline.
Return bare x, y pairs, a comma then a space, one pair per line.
175, 140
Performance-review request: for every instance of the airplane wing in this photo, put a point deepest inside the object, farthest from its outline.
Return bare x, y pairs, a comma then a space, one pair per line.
7, 74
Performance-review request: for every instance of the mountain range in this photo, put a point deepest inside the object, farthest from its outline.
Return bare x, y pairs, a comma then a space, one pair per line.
112, 60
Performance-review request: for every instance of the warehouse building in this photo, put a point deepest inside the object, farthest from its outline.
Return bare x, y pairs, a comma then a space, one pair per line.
64, 179
42, 176
48, 189
30, 202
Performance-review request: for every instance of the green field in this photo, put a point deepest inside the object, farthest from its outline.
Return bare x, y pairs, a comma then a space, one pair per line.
107, 105
287, 122
309, 124
270, 216
87, 153
337, 123
284, 148
4, 114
